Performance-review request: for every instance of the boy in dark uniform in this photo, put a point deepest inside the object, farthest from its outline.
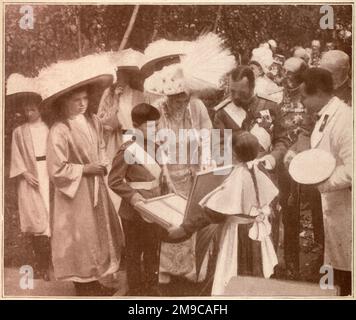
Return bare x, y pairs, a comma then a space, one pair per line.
135, 181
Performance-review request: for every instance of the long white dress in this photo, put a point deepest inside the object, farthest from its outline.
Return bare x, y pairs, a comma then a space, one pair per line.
39, 133
33, 202
237, 195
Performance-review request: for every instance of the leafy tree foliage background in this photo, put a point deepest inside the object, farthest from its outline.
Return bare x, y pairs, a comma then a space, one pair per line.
56, 29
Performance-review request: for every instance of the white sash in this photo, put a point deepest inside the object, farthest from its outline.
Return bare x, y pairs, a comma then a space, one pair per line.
143, 158
237, 114
262, 136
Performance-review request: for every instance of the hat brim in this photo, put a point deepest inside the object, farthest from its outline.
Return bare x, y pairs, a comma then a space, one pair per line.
128, 68
19, 98
149, 67
100, 83
135, 76
303, 170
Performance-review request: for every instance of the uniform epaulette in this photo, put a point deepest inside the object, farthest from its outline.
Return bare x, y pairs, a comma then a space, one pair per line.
222, 104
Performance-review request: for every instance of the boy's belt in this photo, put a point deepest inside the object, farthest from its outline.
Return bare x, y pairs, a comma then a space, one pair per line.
41, 158
144, 185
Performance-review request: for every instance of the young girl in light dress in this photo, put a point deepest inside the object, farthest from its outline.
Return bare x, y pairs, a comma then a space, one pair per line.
245, 197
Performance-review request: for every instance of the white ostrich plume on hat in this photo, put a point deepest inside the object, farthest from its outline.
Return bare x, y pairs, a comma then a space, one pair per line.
17, 83
125, 58
202, 67
65, 74
163, 47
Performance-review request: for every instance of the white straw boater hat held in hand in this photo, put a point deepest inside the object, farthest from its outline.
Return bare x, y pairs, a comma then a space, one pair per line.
20, 89
303, 169
202, 67
65, 76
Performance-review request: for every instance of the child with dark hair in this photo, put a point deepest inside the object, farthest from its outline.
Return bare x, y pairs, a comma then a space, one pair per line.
134, 182
243, 200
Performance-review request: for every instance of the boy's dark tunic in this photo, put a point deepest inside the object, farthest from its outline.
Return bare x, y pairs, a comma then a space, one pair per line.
142, 237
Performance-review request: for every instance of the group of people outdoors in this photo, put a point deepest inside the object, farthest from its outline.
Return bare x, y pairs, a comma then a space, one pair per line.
82, 174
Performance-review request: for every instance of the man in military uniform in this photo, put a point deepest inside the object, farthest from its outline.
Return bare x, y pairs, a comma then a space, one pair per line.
135, 179
298, 125
244, 110
255, 113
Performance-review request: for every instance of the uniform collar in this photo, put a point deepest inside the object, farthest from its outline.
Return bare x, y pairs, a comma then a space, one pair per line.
327, 108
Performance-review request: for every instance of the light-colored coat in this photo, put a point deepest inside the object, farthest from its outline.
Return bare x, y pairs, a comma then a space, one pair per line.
122, 105
34, 217
86, 239
333, 133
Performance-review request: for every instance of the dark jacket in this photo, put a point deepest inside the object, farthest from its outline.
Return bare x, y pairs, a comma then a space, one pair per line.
121, 173
278, 136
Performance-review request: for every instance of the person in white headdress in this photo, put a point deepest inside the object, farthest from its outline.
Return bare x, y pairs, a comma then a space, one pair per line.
273, 46
29, 167
338, 63
261, 63
315, 54
177, 85
86, 233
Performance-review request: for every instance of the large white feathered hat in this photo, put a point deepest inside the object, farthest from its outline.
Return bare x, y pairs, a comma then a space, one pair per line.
64, 76
202, 67
19, 89
127, 59
162, 52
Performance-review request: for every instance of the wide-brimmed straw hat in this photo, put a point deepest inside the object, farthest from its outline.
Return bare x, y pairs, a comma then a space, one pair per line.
303, 169
20, 89
63, 77
128, 61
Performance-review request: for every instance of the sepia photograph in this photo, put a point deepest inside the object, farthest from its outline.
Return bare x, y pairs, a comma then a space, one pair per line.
174, 150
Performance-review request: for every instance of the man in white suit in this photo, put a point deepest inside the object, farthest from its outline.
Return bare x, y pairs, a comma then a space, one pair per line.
333, 133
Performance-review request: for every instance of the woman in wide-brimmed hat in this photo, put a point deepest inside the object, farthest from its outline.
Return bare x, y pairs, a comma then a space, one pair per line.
118, 101
201, 69
29, 167
87, 235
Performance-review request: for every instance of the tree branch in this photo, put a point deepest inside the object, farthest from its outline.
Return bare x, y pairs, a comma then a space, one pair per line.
129, 28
